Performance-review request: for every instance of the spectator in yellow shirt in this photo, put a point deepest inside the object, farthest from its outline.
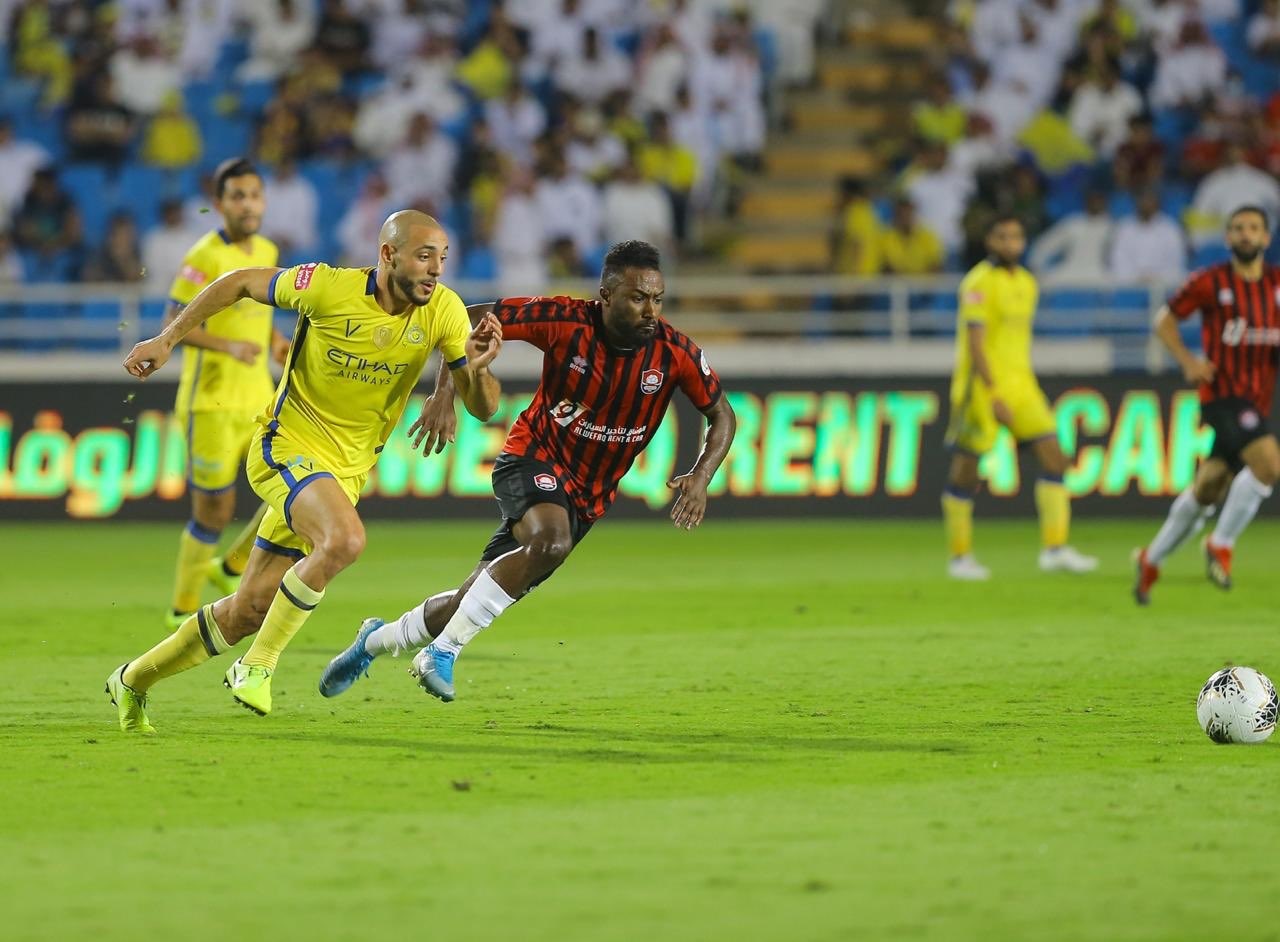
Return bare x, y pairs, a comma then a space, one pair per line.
939, 117
172, 139
855, 237
668, 162
908, 247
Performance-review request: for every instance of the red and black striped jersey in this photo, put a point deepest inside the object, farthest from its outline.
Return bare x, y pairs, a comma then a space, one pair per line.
596, 408
1240, 330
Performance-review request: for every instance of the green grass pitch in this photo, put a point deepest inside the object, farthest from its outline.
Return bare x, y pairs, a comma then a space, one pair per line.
773, 730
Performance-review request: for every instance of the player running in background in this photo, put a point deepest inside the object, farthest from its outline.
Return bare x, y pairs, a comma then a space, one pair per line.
362, 339
994, 385
1239, 305
223, 386
609, 370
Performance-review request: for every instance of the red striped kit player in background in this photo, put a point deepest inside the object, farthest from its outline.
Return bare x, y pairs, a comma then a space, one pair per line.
609, 370
1239, 306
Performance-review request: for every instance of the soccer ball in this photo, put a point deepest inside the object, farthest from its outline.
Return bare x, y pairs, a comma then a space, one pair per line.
1237, 704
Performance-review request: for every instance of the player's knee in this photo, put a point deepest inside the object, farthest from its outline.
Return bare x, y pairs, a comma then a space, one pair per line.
344, 548
549, 550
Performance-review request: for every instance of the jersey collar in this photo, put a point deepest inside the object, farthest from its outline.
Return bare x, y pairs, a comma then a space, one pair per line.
371, 286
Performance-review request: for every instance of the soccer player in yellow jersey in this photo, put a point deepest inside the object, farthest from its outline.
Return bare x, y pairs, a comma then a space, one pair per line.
223, 386
362, 339
994, 385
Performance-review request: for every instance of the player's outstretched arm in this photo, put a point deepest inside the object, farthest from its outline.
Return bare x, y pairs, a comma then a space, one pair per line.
1195, 369
691, 488
149, 355
479, 388
437, 423
246, 351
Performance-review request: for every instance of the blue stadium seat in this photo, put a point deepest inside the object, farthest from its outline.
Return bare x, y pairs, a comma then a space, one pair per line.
253, 97
89, 188
478, 264
1207, 255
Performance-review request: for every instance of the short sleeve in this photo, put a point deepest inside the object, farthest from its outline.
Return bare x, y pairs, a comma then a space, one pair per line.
974, 299
1194, 295
198, 269
697, 379
455, 329
300, 288
532, 320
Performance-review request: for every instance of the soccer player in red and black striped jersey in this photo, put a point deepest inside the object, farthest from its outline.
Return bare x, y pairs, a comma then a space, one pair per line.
609, 370
1239, 305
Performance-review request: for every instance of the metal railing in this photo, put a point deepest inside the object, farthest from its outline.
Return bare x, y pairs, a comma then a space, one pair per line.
79, 318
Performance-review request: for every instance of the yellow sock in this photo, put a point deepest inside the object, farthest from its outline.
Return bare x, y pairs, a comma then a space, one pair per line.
1054, 504
195, 549
957, 515
196, 640
289, 609
237, 555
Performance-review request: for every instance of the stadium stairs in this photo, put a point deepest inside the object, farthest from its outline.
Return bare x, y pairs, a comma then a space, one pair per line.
842, 125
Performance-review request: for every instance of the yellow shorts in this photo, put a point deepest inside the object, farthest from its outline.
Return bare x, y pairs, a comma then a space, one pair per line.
216, 446
973, 426
279, 470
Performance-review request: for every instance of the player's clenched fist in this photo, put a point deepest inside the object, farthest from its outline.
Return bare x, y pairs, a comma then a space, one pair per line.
147, 357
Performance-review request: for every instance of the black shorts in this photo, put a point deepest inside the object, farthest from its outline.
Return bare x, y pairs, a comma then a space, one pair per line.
1236, 424
519, 483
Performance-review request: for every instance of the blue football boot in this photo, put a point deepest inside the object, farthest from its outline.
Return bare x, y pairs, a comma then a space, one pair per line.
433, 669
352, 664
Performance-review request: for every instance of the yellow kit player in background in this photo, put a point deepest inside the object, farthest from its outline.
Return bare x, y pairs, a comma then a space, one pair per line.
994, 385
362, 339
224, 384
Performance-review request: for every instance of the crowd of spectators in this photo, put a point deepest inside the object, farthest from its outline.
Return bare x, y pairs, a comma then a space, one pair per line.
1122, 132
537, 130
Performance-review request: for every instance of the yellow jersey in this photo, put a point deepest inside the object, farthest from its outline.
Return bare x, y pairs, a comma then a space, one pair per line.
1004, 300
213, 381
352, 365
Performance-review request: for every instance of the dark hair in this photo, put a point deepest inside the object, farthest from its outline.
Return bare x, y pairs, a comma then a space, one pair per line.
1250, 208
999, 219
630, 254
230, 168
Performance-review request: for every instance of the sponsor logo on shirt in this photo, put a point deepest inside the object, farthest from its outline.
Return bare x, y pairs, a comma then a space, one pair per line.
564, 412
1237, 332
702, 361
650, 381
578, 364
303, 277
194, 275
544, 481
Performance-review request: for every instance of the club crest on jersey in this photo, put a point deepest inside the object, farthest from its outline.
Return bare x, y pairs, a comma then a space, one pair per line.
382, 337
1226, 296
544, 481
578, 364
303, 277
650, 381
415, 336
1249, 420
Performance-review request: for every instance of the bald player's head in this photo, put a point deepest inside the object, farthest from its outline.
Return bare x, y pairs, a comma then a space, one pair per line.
412, 249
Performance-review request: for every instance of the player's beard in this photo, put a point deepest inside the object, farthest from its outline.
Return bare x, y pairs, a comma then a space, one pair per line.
408, 289
1246, 255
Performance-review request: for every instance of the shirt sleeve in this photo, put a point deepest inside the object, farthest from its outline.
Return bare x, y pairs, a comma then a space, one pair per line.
198, 269
697, 379
453, 335
301, 288
1191, 297
974, 299
532, 320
